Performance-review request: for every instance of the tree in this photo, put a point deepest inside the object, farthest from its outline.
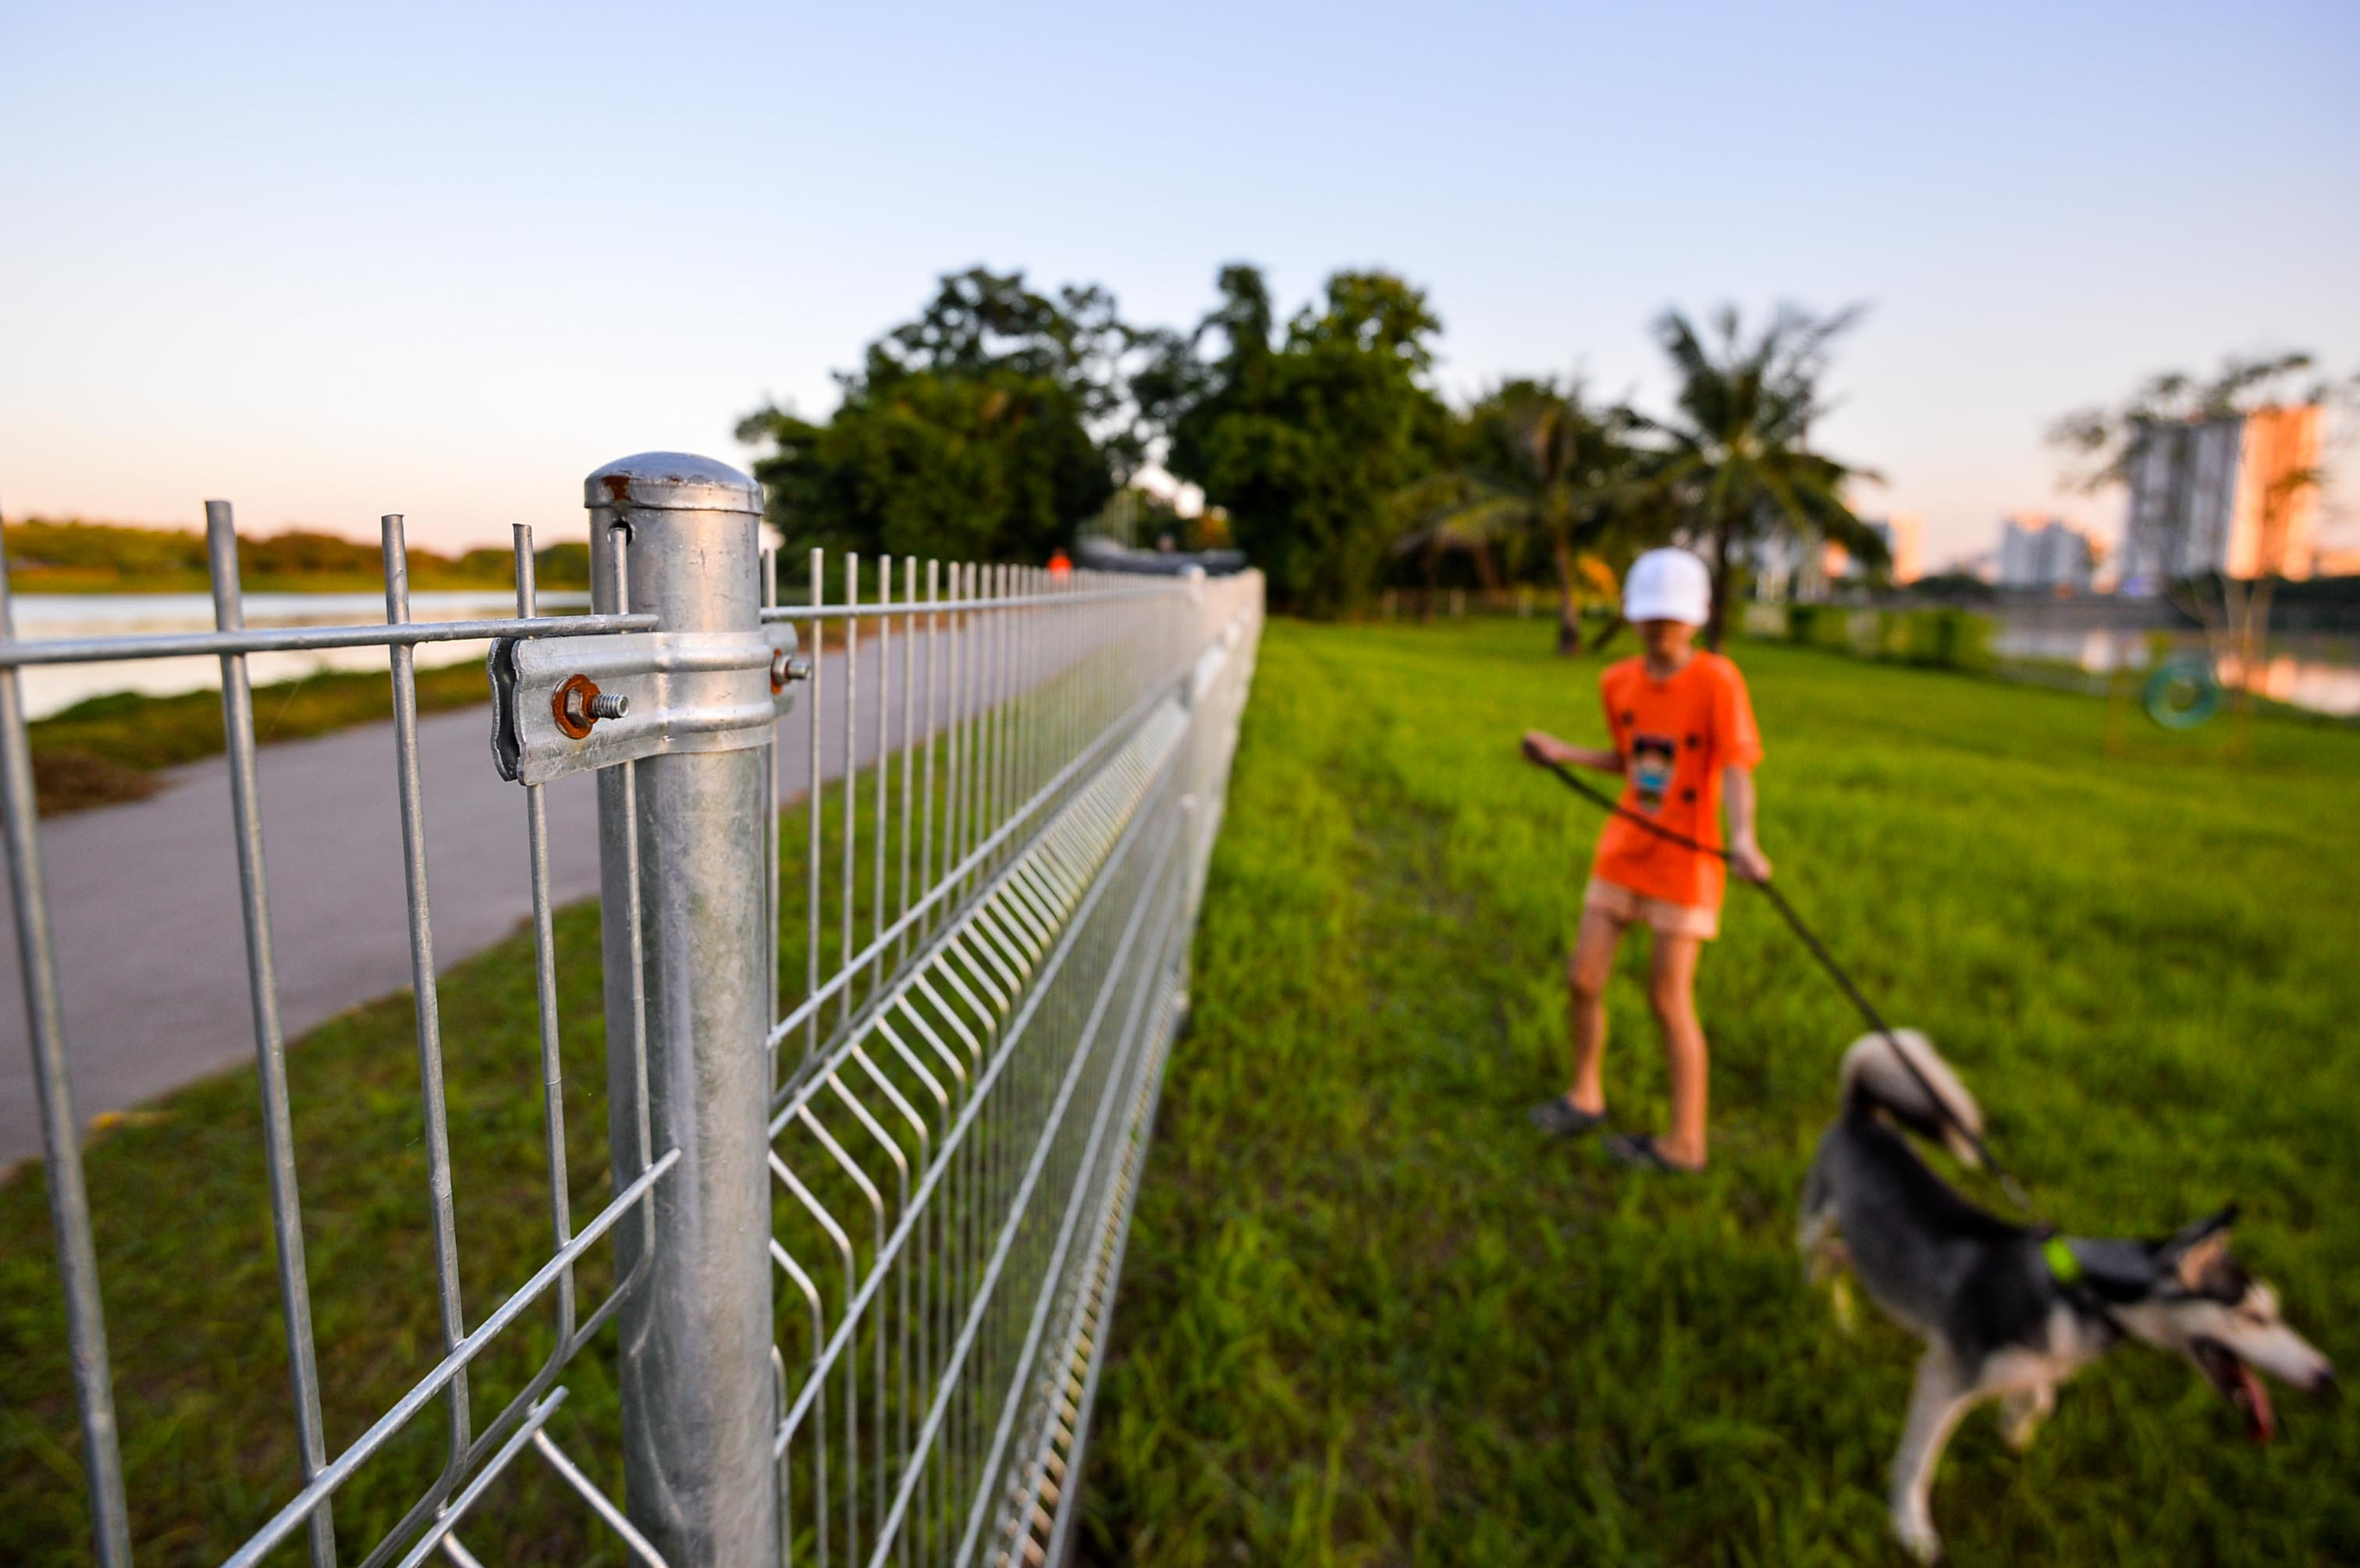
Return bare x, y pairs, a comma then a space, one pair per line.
1536, 467
1305, 440
1735, 464
985, 427
2160, 421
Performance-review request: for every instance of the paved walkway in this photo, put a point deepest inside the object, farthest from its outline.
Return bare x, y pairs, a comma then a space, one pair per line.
144, 901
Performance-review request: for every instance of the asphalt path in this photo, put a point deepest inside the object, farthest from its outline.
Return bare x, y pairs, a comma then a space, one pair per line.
143, 897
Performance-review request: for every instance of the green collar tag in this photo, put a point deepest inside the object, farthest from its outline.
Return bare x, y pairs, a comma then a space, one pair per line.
2062, 1261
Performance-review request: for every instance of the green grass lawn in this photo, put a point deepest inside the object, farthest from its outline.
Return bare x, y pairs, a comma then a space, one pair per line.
1367, 1315
1370, 1316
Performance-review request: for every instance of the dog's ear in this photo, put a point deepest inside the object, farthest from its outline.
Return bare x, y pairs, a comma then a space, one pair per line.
2202, 1230
2196, 1251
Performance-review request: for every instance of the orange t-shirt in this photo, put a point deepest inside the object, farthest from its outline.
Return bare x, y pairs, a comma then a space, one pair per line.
1675, 736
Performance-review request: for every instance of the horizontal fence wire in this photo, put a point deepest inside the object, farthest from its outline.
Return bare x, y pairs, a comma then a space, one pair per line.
235, 641
981, 887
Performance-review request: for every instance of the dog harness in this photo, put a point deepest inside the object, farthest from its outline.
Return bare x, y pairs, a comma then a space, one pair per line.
2074, 1283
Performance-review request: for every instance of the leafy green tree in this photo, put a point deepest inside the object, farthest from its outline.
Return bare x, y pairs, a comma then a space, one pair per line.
1537, 469
1735, 464
563, 567
71, 545
1305, 438
985, 427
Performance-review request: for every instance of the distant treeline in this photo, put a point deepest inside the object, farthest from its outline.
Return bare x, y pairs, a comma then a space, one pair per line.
1003, 420
69, 555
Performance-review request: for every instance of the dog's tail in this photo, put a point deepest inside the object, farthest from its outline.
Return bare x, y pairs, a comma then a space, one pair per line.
1900, 1075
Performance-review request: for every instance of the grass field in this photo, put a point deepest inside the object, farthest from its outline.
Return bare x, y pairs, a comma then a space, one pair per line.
1369, 1315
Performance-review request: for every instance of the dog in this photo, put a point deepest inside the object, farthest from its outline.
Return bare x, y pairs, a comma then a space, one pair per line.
2009, 1311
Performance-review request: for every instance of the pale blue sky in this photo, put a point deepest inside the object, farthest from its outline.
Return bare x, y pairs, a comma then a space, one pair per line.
444, 262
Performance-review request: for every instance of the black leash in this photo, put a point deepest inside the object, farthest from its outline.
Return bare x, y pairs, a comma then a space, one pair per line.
2000, 1173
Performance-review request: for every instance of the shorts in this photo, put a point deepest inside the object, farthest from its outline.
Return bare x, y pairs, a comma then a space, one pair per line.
1660, 916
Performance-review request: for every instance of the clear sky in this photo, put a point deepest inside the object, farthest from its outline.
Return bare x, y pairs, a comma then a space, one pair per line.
446, 262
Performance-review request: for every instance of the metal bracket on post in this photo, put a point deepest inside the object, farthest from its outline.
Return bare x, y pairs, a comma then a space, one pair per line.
561, 705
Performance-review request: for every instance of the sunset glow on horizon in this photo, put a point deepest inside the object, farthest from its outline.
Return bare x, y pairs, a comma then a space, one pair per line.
445, 264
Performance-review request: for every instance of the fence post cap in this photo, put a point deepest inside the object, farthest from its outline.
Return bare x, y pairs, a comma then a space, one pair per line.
671, 481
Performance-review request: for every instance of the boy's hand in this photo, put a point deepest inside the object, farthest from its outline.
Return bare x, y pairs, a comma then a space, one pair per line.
1746, 858
1543, 748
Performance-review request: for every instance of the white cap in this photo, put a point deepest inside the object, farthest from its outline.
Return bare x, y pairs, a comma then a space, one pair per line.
1667, 585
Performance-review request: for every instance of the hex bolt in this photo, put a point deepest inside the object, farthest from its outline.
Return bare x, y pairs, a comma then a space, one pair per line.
786, 669
609, 704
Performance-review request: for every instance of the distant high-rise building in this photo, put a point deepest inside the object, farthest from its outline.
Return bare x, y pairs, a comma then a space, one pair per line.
2044, 552
1905, 541
1803, 566
2227, 495
1787, 567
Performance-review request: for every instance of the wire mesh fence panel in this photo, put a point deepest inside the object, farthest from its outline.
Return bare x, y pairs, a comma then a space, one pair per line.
450, 1423
962, 1049
770, 1208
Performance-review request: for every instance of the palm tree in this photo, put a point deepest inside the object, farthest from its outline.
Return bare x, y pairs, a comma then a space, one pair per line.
1450, 525
1537, 466
1735, 463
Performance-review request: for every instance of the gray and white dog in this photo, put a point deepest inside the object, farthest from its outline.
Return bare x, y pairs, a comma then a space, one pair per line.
2007, 1311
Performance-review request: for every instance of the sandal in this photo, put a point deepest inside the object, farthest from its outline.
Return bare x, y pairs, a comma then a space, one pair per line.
1562, 1118
1638, 1151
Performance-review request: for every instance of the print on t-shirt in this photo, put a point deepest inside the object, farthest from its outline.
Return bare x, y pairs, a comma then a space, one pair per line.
1651, 769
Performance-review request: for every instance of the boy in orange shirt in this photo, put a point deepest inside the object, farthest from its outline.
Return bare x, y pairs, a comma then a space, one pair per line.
1684, 740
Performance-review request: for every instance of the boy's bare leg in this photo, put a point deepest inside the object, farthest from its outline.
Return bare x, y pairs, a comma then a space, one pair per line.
1671, 988
1585, 974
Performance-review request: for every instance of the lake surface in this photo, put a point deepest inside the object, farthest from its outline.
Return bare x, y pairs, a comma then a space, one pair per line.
2302, 674
49, 688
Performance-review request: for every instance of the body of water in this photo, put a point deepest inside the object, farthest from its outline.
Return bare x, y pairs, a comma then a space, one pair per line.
52, 687
2318, 674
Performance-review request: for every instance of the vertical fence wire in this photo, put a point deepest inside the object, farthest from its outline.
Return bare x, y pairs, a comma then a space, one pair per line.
70, 1215
410, 790
545, 968
880, 835
847, 825
909, 733
774, 829
269, 1041
815, 697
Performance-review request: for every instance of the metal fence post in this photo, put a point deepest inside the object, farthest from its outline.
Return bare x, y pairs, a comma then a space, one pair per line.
676, 536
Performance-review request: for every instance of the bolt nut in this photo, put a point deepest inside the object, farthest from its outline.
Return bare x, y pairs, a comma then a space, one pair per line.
786, 669
579, 704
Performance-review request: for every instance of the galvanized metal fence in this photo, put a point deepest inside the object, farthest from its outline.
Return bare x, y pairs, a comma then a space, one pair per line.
874, 1126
